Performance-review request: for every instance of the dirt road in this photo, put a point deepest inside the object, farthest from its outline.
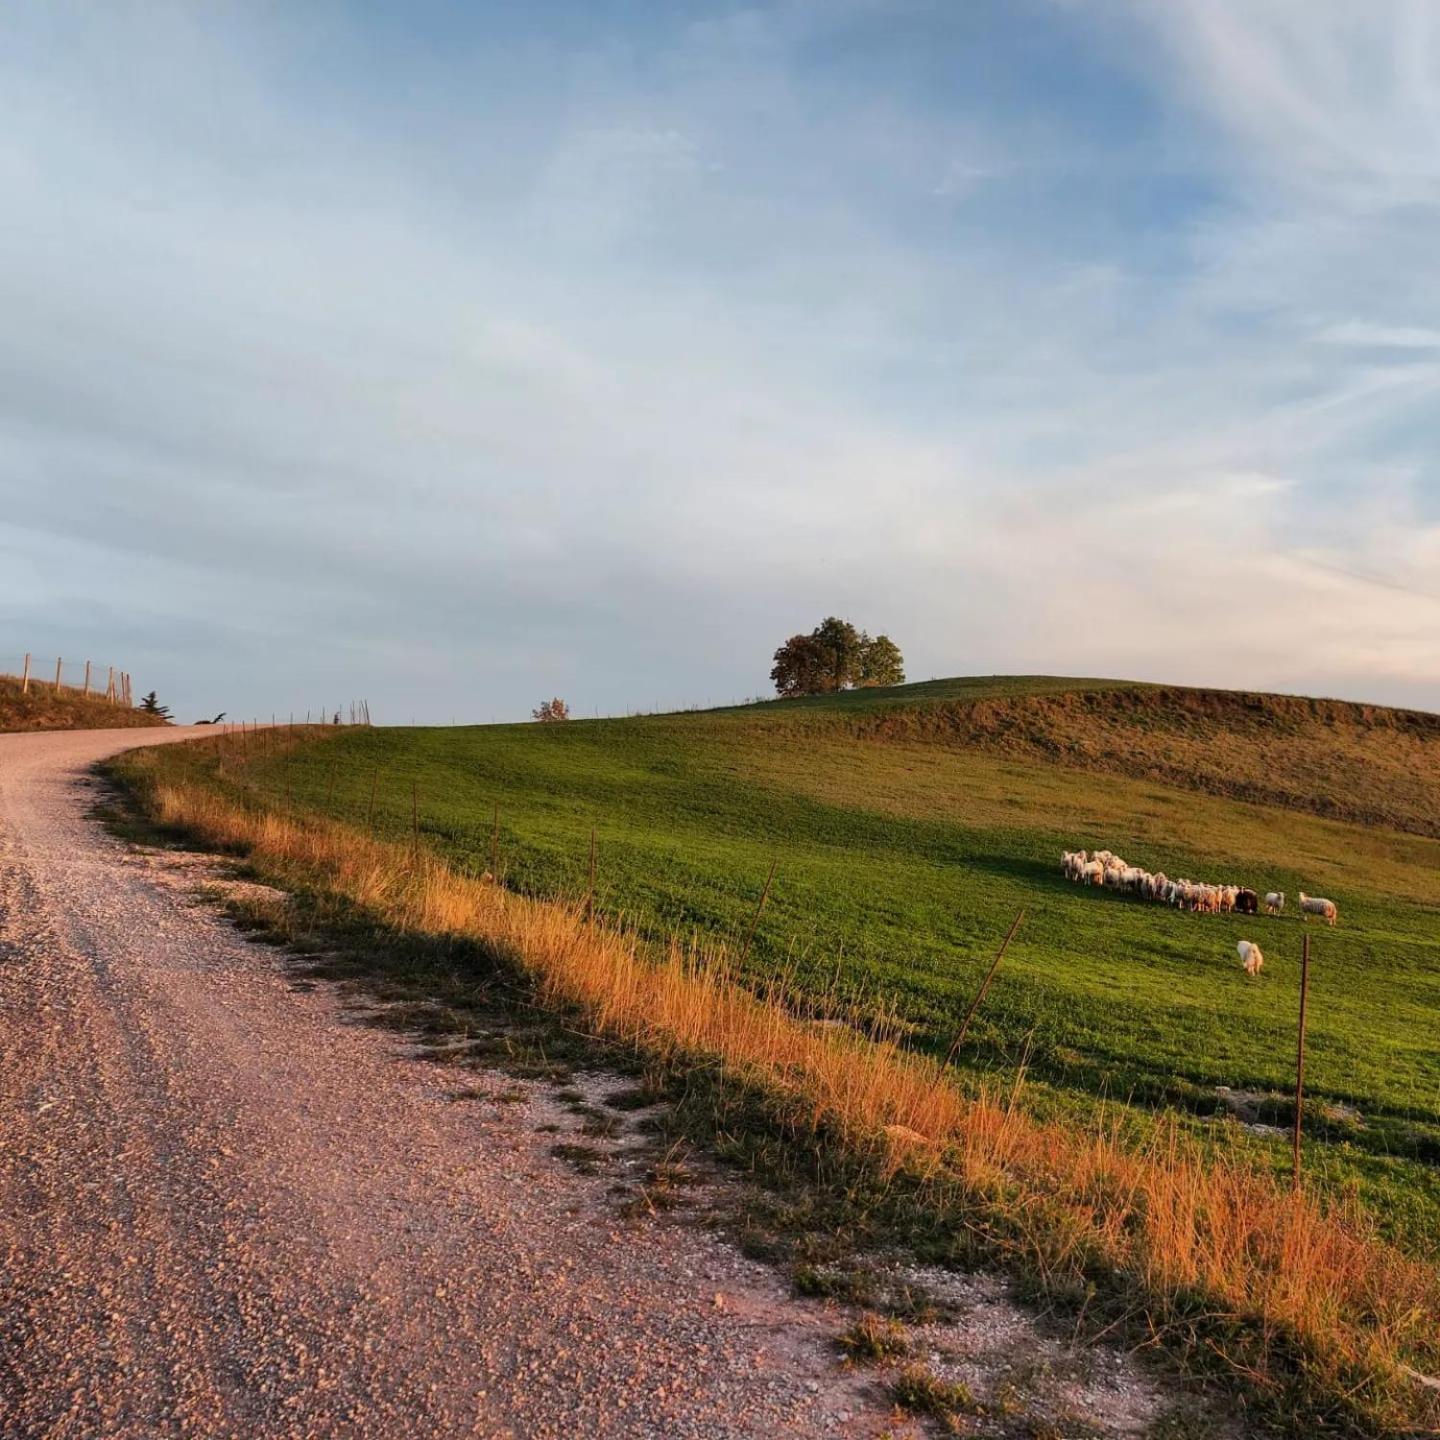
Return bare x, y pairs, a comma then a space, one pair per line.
226, 1212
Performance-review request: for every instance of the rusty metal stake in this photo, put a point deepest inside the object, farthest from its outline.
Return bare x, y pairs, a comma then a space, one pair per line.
984, 986
1300, 1057
754, 923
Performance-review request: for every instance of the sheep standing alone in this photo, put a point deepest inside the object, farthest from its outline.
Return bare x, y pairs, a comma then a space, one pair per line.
1250, 957
1274, 902
1328, 910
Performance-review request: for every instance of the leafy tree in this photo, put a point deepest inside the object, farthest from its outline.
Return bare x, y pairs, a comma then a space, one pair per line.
881, 662
152, 706
843, 645
799, 667
835, 656
550, 711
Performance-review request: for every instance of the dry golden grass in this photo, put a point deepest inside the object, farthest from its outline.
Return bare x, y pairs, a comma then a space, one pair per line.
43, 708
1203, 1244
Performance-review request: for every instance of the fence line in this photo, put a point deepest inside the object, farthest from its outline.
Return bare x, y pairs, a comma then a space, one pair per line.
75, 677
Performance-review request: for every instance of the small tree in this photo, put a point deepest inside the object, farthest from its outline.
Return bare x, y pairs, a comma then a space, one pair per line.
551, 710
881, 663
843, 646
799, 667
152, 706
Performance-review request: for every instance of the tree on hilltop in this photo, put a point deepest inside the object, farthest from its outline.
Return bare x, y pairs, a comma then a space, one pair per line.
550, 711
881, 662
152, 706
835, 656
799, 667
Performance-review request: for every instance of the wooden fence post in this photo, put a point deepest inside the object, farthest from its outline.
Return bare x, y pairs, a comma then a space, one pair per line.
415, 813
755, 921
110, 683
1300, 1058
984, 986
495, 845
86, 690
25, 679
57, 675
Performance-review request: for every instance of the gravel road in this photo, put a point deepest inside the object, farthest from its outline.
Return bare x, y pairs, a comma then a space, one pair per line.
224, 1211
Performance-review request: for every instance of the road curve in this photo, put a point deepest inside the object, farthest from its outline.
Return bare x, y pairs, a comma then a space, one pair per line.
226, 1212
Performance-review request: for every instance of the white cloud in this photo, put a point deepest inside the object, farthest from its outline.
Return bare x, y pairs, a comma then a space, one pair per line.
1325, 95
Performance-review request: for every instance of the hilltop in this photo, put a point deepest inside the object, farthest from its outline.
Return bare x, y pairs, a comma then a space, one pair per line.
46, 709
1366, 763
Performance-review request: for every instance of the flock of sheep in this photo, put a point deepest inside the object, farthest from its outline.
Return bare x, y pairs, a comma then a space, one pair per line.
1106, 869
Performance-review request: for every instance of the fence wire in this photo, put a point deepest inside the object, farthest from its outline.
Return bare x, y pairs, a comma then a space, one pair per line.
97, 678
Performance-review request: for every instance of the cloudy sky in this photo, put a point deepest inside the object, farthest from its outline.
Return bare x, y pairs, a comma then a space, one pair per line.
460, 355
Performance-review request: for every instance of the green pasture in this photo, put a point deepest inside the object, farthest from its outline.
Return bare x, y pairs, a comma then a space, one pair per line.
900, 866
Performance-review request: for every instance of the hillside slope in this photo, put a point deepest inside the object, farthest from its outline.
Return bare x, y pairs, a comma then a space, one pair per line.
44, 709
1365, 763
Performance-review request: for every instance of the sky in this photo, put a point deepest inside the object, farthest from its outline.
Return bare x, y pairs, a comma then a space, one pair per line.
454, 356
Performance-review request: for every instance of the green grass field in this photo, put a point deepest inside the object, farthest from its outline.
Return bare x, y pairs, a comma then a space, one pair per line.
901, 862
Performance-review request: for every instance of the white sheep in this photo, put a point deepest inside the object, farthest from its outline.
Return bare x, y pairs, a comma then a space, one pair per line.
1314, 905
1250, 957
1274, 902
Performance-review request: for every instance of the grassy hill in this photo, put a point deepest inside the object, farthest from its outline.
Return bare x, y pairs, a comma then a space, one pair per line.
1368, 763
909, 826
45, 709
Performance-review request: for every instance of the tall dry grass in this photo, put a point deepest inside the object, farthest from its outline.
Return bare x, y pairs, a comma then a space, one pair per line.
1272, 1282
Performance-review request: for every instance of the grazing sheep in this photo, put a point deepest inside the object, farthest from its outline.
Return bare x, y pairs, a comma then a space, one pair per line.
1108, 870
1250, 957
1314, 905
1274, 902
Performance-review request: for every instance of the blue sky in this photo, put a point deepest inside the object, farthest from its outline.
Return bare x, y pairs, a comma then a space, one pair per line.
456, 356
